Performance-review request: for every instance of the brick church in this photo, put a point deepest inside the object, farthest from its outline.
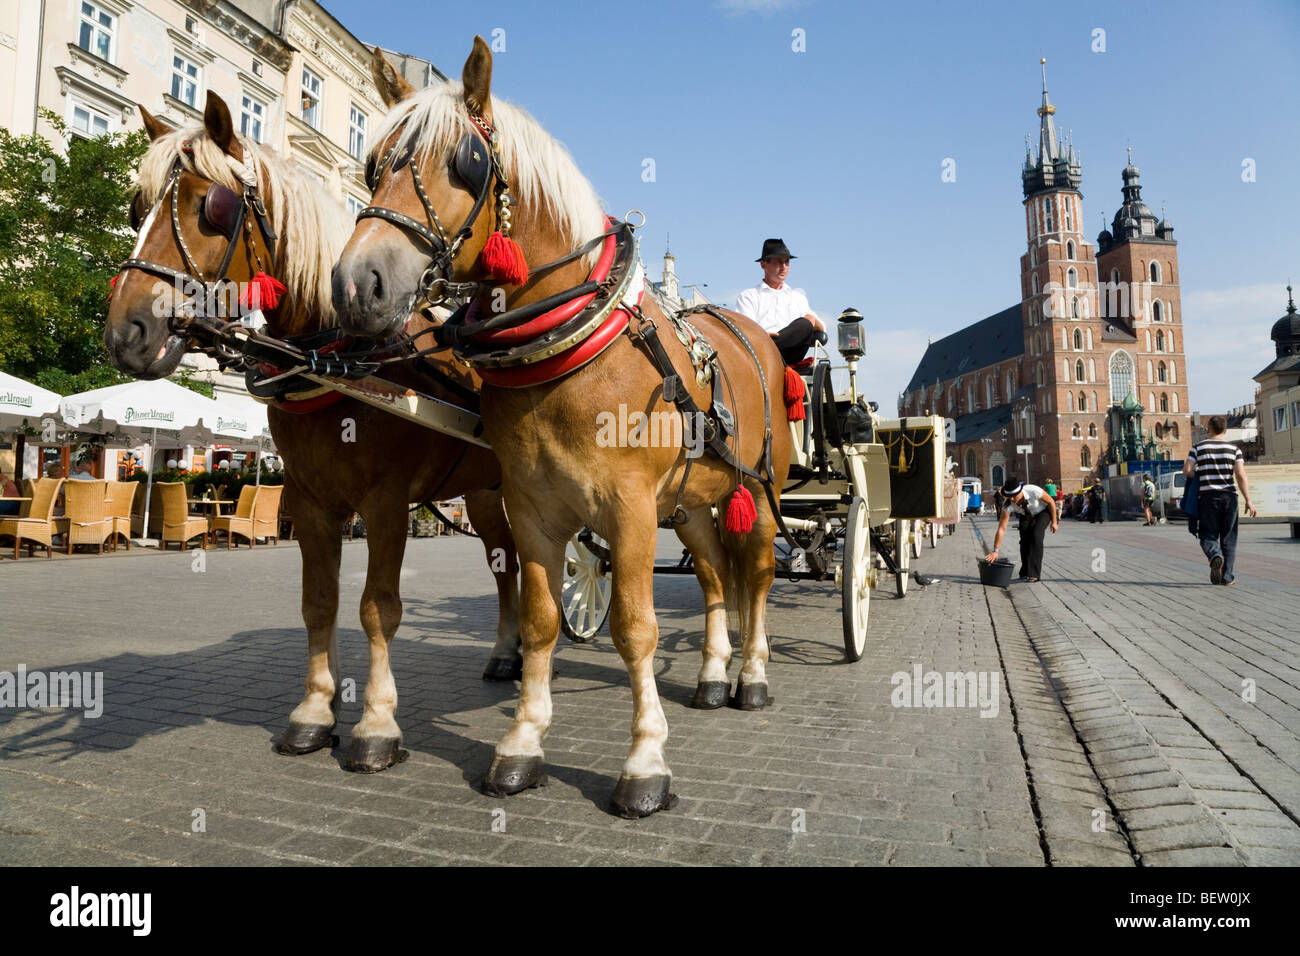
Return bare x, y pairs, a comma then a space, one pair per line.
1088, 367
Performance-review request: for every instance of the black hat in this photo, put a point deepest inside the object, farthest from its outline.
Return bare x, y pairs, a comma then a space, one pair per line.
1011, 488
775, 247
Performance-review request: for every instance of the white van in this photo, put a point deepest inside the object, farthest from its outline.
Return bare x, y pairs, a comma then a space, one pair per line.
1169, 489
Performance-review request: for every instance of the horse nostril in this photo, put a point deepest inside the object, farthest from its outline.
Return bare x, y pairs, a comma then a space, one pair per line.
377, 290
137, 331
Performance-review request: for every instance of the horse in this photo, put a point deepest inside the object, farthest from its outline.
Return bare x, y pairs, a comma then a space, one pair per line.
197, 186
454, 154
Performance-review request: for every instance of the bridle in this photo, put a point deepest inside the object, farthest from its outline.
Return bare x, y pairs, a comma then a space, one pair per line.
478, 169
224, 210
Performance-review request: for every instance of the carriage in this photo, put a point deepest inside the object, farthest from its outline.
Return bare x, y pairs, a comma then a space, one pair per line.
861, 488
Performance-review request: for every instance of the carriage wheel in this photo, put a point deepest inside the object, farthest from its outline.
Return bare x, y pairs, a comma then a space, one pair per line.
934, 535
901, 556
586, 590
855, 586
914, 537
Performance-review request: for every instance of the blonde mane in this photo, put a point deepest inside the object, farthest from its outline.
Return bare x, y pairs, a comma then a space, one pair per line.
312, 225
539, 167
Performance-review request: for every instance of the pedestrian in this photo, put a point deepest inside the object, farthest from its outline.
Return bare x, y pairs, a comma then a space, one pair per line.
781, 309
1097, 507
1036, 512
1215, 463
9, 490
1148, 498
1050, 488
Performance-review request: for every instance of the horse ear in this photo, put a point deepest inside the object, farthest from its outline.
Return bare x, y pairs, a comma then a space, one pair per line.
477, 79
393, 87
152, 124
220, 127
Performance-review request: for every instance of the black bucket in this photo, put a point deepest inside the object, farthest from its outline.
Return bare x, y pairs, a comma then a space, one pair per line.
996, 574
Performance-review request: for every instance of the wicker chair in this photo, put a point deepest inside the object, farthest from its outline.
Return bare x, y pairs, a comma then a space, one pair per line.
241, 522
178, 524
266, 513
121, 500
37, 525
84, 520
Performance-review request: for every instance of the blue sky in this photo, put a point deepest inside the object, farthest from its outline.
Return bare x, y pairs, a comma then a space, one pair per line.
839, 149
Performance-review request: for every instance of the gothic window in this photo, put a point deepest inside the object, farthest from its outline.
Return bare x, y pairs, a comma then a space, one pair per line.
1157, 310
1047, 210
1094, 401
1074, 307
1078, 370
1011, 385
1092, 430
1151, 401
1160, 340
1078, 337
1121, 377
1151, 373
1092, 370
990, 391
1065, 370
1072, 278
1164, 401
1089, 337
1085, 457
970, 462
1114, 276
1155, 271
1173, 373
1038, 375
1069, 246
1175, 401
1162, 373
1049, 402
1069, 221
1033, 256
1083, 402
1033, 283
1075, 433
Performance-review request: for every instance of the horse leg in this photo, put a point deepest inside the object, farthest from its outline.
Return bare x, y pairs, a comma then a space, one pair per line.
518, 761
487, 512
753, 566
311, 725
643, 786
376, 740
700, 535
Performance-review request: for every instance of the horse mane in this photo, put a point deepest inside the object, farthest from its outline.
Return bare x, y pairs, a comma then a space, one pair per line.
538, 165
312, 225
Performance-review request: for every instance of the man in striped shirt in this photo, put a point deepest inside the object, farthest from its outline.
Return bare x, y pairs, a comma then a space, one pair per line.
1215, 463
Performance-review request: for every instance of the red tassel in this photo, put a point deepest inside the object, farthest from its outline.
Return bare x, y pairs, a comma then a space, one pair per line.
741, 511
794, 393
503, 260
112, 284
262, 292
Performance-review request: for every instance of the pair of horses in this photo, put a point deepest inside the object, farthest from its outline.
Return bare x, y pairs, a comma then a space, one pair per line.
428, 168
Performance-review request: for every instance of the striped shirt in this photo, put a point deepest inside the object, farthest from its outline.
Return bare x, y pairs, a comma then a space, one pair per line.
1214, 460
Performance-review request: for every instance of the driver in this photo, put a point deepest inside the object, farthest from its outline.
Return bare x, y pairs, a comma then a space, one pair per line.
780, 309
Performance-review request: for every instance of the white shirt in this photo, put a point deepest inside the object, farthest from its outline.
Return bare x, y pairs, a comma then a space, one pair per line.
773, 309
1033, 503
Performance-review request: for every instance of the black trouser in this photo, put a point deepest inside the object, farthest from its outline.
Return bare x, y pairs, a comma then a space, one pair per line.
796, 339
1218, 527
1032, 530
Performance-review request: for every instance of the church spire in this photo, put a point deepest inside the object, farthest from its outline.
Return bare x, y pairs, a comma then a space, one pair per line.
1057, 164
1047, 146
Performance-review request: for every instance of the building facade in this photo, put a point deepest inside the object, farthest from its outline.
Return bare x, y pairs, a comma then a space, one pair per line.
1279, 391
1088, 370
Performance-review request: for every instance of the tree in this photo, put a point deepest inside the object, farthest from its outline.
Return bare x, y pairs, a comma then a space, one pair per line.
63, 232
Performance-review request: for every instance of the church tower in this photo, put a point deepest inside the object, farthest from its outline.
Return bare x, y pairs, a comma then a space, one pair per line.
1062, 326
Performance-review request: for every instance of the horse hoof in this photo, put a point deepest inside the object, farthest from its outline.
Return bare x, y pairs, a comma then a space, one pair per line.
711, 695
749, 696
504, 668
509, 775
636, 797
302, 739
373, 754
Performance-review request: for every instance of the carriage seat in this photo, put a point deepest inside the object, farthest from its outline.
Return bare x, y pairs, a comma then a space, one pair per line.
800, 432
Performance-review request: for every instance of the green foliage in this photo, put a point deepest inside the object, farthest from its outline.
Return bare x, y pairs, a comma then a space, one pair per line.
185, 376
63, 232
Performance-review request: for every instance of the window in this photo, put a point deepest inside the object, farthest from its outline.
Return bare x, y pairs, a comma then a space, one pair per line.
1011, 385
1157, 310
87, 121
1175, 402
1295, 412
1069, 247
252, 116
1078, 339
970, 398
970, 461
1069, 221
1048, 203
1092, 430
311, 84
1094, 401
98, 28
354, 206
257, 67
1075, 433
1083, 402
1114, 276
1033, 256
185, 80
1072, 278
1065, 370
1155, 271
1074, 307
1160, 340
1038, 375
1085, 457
1033, 283
357, 134
1164, 401
1162, 374
1078, 370
990, 391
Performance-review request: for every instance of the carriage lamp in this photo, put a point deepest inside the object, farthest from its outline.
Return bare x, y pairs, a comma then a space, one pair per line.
852, 341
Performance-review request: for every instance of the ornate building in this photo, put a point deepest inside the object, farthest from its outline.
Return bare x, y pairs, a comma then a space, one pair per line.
1279, 391
1088, 369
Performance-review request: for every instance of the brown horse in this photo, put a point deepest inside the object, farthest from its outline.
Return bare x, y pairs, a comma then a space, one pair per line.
341, 457
559, 474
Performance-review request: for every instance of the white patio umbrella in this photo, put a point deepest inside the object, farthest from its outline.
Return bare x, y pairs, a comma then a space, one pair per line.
243, 424
23, 404
141, 409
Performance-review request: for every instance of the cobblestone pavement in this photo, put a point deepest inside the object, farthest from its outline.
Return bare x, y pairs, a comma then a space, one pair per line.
200, 671
1186, 696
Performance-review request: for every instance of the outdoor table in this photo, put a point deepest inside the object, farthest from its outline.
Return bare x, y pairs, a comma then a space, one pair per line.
205, 502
